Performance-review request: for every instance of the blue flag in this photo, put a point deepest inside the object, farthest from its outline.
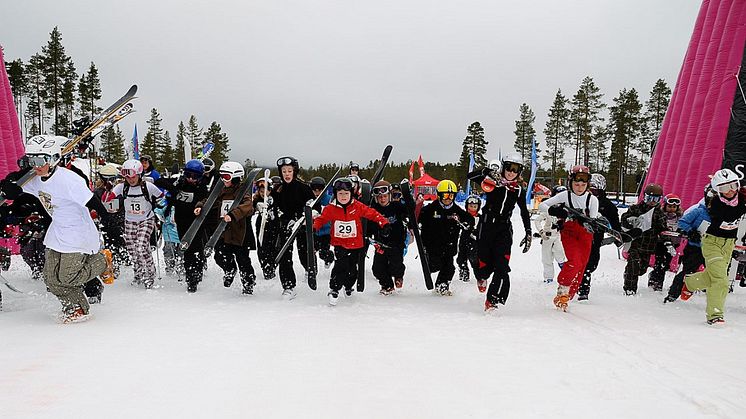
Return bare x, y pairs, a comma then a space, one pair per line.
471, 168
135, 145
530, 190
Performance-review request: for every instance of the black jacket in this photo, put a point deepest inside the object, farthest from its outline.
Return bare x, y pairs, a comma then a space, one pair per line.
183, 198
441, 227
290, 199
396, 213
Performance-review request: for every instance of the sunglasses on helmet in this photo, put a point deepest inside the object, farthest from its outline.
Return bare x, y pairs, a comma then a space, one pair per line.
285, 161
581, 177
652, 198
226, 176
129, 172
381, 190
673, 201
343, 184
513, 167
39, 160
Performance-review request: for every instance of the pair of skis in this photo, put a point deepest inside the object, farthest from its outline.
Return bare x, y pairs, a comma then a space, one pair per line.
413, 225
598, 225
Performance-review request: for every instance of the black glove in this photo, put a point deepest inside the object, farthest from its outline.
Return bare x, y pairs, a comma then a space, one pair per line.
10, 189
386, 231
635, 233
526, 242
558, 211
695, 236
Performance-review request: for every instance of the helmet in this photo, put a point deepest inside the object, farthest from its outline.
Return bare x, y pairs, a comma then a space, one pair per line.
108, 170
288, 161
131, 168
558, 189
672, 199
355, 181
654, 189
194, 169
208, 164
276, 180
382, 187
513, 162
317, 182
598, 181
232, 169
473, 199
43, 149
724, 180
354, 166
495, 165
446, 186
580, 173
146, 157
343, 184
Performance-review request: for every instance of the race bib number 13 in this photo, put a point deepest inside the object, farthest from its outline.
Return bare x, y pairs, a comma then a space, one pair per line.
345, 229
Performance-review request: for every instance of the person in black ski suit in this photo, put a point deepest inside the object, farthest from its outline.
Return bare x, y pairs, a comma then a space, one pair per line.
185, 192
503, 191
322, 237
266, 251
610, 212
441, 223
289, 199
388, 260
113, 229
467, 244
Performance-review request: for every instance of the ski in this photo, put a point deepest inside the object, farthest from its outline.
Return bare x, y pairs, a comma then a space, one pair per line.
409, 201
310, 252
9, 285
598, 225
300, 222
197, 223
264, 214
365, 189
242, 191
88, 132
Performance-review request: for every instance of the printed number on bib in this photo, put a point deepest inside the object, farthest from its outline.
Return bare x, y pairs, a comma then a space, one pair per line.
136, 206
112, 206
225, 207
345, 229
185, 196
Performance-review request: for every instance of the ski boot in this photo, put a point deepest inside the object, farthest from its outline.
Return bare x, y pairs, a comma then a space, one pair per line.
669, 299
108, 277
630, 292
289, 294
398, 282
490, 307
349, 292
463, 273
482, 285
333, 297
248, 284
386, 291
582, 297
685, 293
563, 298
228, 278
443, 289
94, 299
73, 314
717, 322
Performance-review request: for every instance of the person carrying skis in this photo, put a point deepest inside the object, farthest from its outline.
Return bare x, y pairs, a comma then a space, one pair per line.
644, 222
576, 232
289, 200
148, 171
72, 240
266, 249
665, 250
345, 214
113, 228
232, 249
549, 228
441, 223
388, 259
184, 193
322, 239
467, 244
725, 210
503, 192
610, 213
173, 256
139, 199
693, 223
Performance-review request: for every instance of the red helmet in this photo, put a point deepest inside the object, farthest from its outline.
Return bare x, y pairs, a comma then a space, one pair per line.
580, 173
672, 199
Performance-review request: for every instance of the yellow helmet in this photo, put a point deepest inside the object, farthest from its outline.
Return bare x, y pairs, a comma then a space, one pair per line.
446, 186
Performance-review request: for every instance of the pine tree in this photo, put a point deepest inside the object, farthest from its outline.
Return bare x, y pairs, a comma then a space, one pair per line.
57, 68
112, 145
194, 135
474, 142
586, 109
222, 149
89, 89
168, 152
655, 111
35, 111
178, 149
557, 132
18, 84
68, 97
599, 153
154, 143
625, 128
525, 132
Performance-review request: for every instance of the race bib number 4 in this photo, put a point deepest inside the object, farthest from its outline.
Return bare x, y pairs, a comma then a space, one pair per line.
225, 207
345, 229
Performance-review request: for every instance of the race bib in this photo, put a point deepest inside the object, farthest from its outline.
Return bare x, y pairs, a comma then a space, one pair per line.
112, 206
345, 229
136, 205
185, 196
732, 225
225, 207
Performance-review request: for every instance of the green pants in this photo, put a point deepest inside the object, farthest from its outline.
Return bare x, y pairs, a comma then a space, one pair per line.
717, 252
65, 274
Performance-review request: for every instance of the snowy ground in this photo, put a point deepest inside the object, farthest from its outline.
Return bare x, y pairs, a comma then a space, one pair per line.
164, 353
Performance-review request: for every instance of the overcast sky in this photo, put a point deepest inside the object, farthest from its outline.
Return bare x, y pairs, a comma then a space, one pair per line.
338, 80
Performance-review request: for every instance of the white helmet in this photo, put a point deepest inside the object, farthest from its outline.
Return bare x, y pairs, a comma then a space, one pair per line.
598, 181
108, 170
495, 165
725, 180
232, 168
514, 158
48, 148
131, 168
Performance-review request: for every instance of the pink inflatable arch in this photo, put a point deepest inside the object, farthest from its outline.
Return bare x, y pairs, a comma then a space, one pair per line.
11, 144
705, 125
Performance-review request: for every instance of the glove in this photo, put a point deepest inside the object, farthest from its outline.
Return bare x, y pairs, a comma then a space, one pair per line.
291, 224
671, 249
526, 242
315, 214
632, 220
635, 233
386, 231
695, 236
262, 206
10, 189
558, 211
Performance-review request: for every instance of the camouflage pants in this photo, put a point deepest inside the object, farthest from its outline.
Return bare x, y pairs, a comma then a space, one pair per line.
65, 274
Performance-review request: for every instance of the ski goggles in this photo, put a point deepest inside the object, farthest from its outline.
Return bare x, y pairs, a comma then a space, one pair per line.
513, 167
396, 195
651, 198
581, 177
285, 161
39, 160
673, 201
381, 190
727, 187
446, 195
226, 176
343, 184
192, 175
129, 172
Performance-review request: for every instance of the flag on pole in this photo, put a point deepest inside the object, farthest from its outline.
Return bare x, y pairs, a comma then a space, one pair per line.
187, 150
471, 168
530, 189
411, 172
422, 166
135, 145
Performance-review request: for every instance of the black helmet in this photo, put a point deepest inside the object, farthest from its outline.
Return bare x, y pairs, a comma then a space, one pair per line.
276, 180
558, 189
209, 164
354, 166
288, 161
343, 184
317, 182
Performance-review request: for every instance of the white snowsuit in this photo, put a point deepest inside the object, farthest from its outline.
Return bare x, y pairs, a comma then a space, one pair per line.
551, 244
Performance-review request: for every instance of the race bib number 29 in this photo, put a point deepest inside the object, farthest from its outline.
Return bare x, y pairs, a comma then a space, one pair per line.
345, 229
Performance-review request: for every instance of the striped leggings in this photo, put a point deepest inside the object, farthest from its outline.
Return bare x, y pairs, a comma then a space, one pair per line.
137, 239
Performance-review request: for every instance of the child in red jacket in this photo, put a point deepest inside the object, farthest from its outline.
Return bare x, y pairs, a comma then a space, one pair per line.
345, 214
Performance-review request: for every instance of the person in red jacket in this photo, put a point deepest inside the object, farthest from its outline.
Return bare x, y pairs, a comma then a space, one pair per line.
345, 213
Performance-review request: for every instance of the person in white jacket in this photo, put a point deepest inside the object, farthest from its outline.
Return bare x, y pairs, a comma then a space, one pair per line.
548, 227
